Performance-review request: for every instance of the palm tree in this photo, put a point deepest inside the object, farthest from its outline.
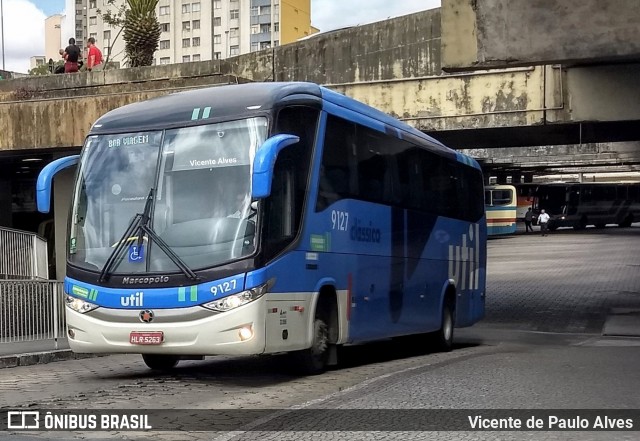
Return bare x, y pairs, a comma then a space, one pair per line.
141, 32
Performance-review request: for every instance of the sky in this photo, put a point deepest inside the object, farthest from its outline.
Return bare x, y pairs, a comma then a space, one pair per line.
24, 21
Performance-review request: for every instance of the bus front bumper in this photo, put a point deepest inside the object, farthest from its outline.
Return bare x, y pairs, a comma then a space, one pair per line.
185, 331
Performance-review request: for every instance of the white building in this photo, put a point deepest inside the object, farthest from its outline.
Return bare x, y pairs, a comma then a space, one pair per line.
199, 30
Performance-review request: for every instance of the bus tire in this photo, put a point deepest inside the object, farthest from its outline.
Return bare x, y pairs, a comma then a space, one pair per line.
626, 223
443, 337
314, 360
160, 362
581, 224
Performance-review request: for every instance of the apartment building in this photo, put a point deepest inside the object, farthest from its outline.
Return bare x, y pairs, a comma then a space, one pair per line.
199, 30
53, 37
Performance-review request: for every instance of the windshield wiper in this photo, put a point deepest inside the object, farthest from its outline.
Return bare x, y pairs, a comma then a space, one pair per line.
139, 227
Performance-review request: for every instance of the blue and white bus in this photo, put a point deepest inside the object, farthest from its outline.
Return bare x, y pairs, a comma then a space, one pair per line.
267, 218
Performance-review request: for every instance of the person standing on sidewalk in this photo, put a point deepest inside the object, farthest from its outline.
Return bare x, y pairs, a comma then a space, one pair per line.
527, 220
94, 58
71, 56
543, 221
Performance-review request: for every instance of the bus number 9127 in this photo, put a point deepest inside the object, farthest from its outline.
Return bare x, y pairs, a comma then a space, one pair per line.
221, 288
339, 220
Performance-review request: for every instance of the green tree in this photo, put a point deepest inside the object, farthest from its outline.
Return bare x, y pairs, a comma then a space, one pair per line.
43, 69
139, 25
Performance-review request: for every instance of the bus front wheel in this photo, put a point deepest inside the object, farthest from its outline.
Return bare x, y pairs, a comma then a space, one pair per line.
443, 338
160, 362
314, 360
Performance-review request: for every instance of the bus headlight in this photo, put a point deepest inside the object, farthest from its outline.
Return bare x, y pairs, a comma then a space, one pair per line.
235, 300
79, 305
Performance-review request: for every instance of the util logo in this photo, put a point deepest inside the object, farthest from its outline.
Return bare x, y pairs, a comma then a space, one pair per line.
135, 300
464, 260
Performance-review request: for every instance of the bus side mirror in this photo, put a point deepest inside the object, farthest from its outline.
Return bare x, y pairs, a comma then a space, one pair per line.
265, 161
45, 179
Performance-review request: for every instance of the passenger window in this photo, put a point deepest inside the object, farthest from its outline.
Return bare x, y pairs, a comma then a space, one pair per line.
338, 170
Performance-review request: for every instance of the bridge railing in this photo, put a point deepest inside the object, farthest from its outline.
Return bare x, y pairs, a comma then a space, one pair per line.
23, 255
31, 310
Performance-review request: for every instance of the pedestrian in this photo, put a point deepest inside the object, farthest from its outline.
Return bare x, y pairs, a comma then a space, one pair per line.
60, 69
71, 57
94, 58
527, 220
543, 221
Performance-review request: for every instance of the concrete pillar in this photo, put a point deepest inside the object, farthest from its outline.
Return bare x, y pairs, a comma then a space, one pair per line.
528, 178
580, 177
502, 178
62, 191
6, 194
516, 178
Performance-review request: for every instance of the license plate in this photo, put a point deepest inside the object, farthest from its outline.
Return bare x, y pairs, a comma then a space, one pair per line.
146, 338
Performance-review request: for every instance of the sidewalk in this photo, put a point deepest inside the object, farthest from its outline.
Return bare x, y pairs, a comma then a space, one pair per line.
36, 352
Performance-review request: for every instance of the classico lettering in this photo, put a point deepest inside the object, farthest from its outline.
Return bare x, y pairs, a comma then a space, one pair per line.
365, 233
144, 280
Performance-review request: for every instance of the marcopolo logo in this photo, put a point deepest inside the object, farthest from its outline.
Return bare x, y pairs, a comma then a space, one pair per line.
364, 233
144, 280
464, 260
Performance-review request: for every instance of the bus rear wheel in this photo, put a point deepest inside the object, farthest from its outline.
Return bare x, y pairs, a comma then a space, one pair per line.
313, 361
160, 362
581, 224
443, 338
626, 223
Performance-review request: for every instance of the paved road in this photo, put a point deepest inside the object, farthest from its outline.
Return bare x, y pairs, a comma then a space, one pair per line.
541, 346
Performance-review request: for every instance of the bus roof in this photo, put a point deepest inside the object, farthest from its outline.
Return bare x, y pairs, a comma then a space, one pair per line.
230, 101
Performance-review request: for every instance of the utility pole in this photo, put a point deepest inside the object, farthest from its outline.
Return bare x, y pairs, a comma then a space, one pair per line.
2, 24
226, 43
272, 25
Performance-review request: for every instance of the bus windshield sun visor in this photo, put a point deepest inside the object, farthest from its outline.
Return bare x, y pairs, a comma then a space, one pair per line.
139, 228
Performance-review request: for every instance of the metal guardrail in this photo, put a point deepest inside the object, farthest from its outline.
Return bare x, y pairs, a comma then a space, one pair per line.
31, 310
23, 255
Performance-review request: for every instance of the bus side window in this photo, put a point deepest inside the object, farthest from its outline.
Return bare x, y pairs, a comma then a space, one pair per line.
337, 170
574, 197
284, 207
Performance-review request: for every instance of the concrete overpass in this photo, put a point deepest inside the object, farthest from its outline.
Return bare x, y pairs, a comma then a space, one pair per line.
477, 74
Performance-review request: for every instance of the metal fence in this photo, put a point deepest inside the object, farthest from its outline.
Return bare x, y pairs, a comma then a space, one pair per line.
31, 310
23, 255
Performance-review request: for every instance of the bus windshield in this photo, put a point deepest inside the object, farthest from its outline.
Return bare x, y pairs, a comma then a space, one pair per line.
201, 181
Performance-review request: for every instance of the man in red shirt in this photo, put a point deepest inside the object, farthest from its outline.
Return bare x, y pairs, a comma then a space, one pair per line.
94, 59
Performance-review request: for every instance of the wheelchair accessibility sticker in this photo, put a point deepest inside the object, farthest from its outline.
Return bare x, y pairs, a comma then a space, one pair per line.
136, 253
